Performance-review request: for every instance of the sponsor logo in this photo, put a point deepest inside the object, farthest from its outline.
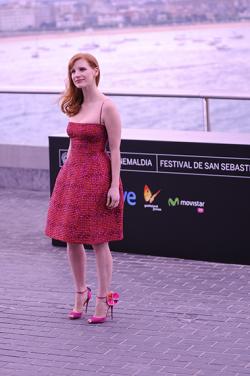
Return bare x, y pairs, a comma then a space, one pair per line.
199, 205
62, 156
150, 197
200, 210
129, 198
174, 201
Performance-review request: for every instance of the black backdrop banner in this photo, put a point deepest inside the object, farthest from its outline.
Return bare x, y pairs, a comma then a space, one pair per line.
182, 199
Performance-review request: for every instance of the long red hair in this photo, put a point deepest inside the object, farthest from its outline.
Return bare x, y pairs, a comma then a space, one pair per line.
72, 98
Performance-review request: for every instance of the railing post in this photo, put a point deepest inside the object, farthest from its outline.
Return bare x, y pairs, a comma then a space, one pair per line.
206, 117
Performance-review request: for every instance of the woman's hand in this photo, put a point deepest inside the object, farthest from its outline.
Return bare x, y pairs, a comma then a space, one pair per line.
113, 197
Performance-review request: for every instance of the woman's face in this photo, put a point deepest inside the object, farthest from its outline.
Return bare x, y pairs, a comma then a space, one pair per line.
83, 74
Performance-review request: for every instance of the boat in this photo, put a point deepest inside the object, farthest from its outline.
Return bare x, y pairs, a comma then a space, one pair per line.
107, 49
35, 55
223, 47
89, 46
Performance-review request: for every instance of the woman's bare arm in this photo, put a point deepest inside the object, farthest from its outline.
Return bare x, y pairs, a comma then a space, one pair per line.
113, 125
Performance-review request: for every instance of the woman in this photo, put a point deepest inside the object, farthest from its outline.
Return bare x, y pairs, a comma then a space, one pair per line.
86, 206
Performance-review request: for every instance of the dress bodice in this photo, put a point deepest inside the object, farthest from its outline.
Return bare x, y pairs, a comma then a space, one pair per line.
87, 138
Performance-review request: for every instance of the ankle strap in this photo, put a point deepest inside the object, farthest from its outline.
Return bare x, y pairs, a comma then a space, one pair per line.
82, 292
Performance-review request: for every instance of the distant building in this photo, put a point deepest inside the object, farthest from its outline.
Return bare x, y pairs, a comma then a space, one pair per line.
205, 10
110, 20
26, 15
69, 14
44, 16
16, 18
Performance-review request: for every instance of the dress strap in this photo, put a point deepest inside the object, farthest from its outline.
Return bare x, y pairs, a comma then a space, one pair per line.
101, 112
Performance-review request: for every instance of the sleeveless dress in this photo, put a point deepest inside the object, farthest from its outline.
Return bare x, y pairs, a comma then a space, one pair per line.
77, 210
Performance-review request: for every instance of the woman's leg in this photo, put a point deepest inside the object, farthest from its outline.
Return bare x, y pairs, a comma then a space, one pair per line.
77, 260
104, 265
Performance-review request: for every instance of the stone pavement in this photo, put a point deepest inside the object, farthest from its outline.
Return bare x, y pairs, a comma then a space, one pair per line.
175, 317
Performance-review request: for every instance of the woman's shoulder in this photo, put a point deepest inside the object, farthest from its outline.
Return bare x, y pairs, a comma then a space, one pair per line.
110, 112
108, 104
72, 118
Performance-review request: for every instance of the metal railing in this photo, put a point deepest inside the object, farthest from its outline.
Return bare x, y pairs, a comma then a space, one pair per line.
203, 96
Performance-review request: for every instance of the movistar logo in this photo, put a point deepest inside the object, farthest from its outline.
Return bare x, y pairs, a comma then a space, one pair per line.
174, 201
177, 202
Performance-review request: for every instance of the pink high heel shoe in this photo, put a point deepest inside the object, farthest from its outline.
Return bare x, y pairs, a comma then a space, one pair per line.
111, 299
73, 315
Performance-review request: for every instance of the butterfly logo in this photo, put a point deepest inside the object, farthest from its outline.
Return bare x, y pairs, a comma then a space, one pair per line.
148, 195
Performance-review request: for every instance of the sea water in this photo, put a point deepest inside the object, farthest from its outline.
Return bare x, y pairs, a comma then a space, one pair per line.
194, 60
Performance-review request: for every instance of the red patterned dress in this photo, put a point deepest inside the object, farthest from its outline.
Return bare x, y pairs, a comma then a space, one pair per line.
77, 211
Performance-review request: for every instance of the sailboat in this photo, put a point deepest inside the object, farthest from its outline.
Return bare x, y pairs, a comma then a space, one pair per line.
35, 55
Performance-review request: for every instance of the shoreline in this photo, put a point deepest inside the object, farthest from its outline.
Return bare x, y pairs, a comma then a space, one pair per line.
118, 31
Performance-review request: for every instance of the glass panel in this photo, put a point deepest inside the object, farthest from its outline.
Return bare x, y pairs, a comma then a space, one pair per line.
28, 119
229, 115
163, 113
